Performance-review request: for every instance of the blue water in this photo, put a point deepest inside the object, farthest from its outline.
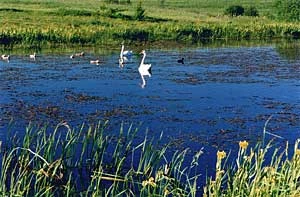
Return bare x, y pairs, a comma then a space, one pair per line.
220, 96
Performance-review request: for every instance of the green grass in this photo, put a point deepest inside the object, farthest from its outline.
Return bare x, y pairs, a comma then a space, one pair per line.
90, 161
95, 22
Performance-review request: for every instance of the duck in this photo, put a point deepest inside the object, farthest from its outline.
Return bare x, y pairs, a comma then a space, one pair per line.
144, 69
5, 57
181, 61
97, 62
32, 56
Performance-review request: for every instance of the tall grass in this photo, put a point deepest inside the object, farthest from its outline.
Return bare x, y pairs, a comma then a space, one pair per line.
253, 175
89, 161
50, 22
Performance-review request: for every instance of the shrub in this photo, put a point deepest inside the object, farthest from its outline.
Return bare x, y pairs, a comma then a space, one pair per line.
140, 12
234, 10
251, 11
288, 10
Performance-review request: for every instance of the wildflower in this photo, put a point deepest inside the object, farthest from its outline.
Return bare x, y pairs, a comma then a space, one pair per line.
220, 172
221, 155
149, 182
166, 192
243, 144
144, 183
297, 153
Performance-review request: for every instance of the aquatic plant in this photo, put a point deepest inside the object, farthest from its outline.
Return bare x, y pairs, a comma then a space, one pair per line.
254, 175
91, 162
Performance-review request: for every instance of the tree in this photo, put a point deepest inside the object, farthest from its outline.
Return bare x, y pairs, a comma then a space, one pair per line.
234, 10
251, 11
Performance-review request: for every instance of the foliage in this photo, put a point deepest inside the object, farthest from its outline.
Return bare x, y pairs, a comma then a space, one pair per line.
105, 22
252, 175
91, 161
234, 10
251, 11
73, 12
139, 12
288, 10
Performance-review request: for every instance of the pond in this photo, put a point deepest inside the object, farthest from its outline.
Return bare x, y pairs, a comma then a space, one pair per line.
220, 95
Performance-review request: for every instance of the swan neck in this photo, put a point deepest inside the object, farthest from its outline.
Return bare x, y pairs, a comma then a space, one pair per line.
143, 59
122, 49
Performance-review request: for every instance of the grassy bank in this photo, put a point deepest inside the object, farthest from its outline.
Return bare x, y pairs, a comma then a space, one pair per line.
88, 161
96, 22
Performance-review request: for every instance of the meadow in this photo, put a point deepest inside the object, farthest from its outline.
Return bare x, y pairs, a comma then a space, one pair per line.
95, 22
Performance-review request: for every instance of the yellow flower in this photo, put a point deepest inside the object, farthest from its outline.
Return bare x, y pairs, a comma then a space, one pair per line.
149, 182
297, 153
144, 183
166, 192
221, 155
243, 144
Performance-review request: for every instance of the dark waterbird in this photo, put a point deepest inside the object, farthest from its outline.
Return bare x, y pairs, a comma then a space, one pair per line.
181, 61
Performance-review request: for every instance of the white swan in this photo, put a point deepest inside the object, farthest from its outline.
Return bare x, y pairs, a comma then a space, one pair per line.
5, 57
126, 54
33, 56
144, 69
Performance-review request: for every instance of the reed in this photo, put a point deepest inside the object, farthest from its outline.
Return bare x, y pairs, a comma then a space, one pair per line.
91, 161
253, 175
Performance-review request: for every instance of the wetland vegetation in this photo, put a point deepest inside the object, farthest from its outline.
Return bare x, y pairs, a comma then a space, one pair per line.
97, 160
96, 22
89, 161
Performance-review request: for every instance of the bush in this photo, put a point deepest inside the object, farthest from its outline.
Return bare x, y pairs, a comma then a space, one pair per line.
234, 10
140, 12
251, 11
288, 10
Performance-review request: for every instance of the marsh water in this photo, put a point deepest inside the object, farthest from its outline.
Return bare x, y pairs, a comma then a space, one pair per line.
220, 95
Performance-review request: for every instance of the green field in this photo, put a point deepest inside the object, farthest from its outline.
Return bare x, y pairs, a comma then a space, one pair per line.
94, 21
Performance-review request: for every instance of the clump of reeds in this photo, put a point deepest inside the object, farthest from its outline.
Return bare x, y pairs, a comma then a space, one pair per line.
253, 175
90, 162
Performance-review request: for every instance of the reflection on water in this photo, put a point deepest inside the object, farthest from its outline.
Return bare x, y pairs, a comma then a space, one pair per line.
218, 97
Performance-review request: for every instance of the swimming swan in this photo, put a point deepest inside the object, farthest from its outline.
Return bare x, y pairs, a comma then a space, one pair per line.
5, 57
144, 69
126, 54
33, 56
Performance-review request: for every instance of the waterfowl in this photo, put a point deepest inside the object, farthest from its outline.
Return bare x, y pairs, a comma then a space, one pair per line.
181, 61
144, 69
72, 56
33, 56
97, 62
5, 57
79, 54
126, 53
